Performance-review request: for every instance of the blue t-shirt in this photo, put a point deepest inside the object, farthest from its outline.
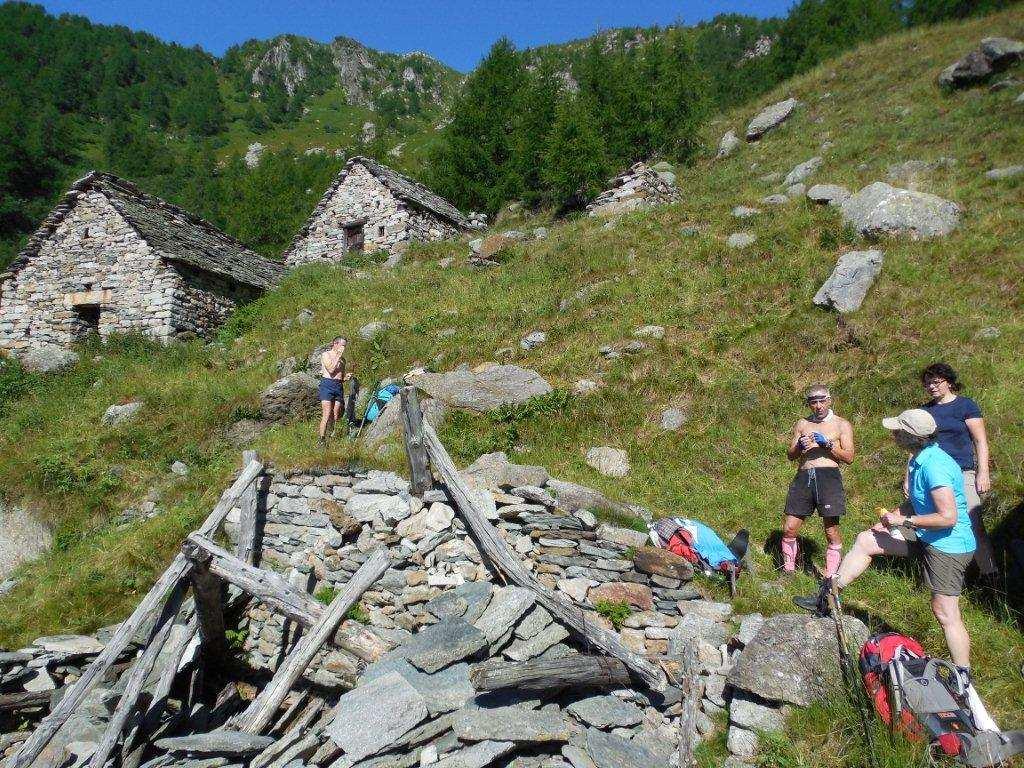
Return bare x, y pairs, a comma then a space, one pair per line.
953, 435
934, 468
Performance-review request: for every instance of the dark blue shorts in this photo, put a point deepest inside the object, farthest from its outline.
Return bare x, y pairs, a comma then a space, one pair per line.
331, 389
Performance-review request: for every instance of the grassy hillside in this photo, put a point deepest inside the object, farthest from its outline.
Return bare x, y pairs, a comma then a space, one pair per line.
743, 341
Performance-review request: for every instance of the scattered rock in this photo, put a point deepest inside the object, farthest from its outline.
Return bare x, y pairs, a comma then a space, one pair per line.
827, 194
1002, 51
253, 153
608, 750
793, 658
610, 462
775, 200
483, 391
180, 469
650, 332
730, 143
743, 212
803, 171
846, 287
370, 331
739, 240
585, 387
532, 340
1005, 173
47, 359
673, 419
880, 209
796, 190
513, 724
988, 334
769, 118
69, 645
606, 712
121, 414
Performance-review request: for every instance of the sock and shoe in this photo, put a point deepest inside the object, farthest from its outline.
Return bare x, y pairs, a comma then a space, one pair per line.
833, 557
818, 604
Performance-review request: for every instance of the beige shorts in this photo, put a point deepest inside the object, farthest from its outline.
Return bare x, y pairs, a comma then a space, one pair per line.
943, 571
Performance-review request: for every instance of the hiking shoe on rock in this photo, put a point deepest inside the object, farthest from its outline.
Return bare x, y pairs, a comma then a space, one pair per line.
816, 604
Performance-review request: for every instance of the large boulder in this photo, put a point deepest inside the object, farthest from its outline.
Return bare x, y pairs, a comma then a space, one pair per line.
389, 420
846, 287
972, 69
794, 658
769, 118
827, 194
495, 471
47, 359
22, 538
291, 398
1001, 52
880, 209
484, 390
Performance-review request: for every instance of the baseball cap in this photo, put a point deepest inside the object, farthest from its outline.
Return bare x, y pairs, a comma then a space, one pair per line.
914, 421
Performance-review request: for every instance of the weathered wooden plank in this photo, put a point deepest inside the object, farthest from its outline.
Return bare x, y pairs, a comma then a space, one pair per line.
412, 436
248, 547
264, 585
508, 564
137, 677
693, 689
576, 671
262, 710
208, 592
14, 702
149, 605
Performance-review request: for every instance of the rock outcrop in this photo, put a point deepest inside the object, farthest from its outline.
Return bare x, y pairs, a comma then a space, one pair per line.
993, 54
482, 390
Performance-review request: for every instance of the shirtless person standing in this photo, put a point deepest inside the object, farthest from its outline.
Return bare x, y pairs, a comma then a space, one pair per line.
332, 387
821, 441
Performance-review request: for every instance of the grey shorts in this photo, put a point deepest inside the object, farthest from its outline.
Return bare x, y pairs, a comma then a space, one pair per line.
943, 572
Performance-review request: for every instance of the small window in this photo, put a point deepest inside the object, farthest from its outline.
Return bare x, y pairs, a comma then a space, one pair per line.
380, 231
85, 233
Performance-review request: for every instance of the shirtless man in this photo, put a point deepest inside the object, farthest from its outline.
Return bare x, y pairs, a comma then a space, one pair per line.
332, 387
821, 441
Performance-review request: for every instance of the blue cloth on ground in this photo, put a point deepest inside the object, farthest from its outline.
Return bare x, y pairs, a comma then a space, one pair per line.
708, 544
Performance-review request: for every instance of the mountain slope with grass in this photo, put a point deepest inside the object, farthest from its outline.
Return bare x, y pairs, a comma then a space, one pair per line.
742, 341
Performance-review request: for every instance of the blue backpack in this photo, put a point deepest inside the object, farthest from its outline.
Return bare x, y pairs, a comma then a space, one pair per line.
380, 398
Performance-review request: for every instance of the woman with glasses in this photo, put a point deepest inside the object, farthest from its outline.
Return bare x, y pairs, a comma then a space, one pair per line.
961, 434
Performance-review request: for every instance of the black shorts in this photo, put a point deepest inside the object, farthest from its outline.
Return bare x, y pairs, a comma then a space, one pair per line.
816, 490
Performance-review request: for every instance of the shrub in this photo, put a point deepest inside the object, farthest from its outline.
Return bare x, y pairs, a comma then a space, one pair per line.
615, 611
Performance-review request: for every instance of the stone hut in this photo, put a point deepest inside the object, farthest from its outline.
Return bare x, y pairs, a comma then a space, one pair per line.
112, 259
639, 186
370, 207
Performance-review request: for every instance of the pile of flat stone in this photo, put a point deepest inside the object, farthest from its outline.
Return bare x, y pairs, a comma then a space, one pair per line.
476, 220
641, 186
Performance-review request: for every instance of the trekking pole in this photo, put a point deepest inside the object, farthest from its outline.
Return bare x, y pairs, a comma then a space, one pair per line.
366, 410
850, 676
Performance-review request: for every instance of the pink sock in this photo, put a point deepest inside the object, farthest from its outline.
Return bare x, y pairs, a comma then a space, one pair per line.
833, 556
789, 554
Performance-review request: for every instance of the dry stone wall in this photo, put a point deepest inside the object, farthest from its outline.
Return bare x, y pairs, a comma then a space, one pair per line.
390, 223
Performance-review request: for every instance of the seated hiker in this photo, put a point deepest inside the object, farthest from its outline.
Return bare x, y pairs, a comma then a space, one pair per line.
332, 387
821, 442
932, 526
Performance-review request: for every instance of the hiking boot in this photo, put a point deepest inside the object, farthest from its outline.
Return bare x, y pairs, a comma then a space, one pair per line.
321, 442
816, 604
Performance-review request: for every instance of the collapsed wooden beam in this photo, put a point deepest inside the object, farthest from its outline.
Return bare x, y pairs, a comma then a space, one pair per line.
137, 677
266, 586
15, 702
261, 711
208, 592
693, 689
248, 548
501, 556
412, 437
551, 674
150, 605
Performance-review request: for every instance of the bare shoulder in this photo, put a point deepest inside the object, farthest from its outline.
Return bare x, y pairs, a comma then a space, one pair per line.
844, 423
801, 425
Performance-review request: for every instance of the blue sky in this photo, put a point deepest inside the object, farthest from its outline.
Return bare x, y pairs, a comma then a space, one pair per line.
458, 32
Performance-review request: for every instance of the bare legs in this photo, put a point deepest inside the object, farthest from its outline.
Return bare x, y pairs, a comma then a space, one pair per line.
878, 541
791, 527
328, 415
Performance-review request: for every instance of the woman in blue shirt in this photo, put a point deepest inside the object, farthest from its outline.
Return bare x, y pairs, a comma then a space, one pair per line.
962, 435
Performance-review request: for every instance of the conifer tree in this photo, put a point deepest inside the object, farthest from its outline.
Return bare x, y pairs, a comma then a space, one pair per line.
575, 163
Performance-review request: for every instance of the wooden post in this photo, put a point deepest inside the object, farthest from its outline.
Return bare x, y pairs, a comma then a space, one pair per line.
208, 592
262, 710
137, 678
576, 671
693, 689
508, 564
248, 548
150, 604
412, 436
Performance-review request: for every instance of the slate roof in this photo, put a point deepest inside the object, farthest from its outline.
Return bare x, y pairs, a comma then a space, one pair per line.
175, 234
401, 186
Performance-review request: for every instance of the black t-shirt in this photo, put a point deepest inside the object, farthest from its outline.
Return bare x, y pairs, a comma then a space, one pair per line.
953, 435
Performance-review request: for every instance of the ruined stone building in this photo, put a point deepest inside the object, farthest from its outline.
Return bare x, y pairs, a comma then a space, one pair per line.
370, 207
112, 259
